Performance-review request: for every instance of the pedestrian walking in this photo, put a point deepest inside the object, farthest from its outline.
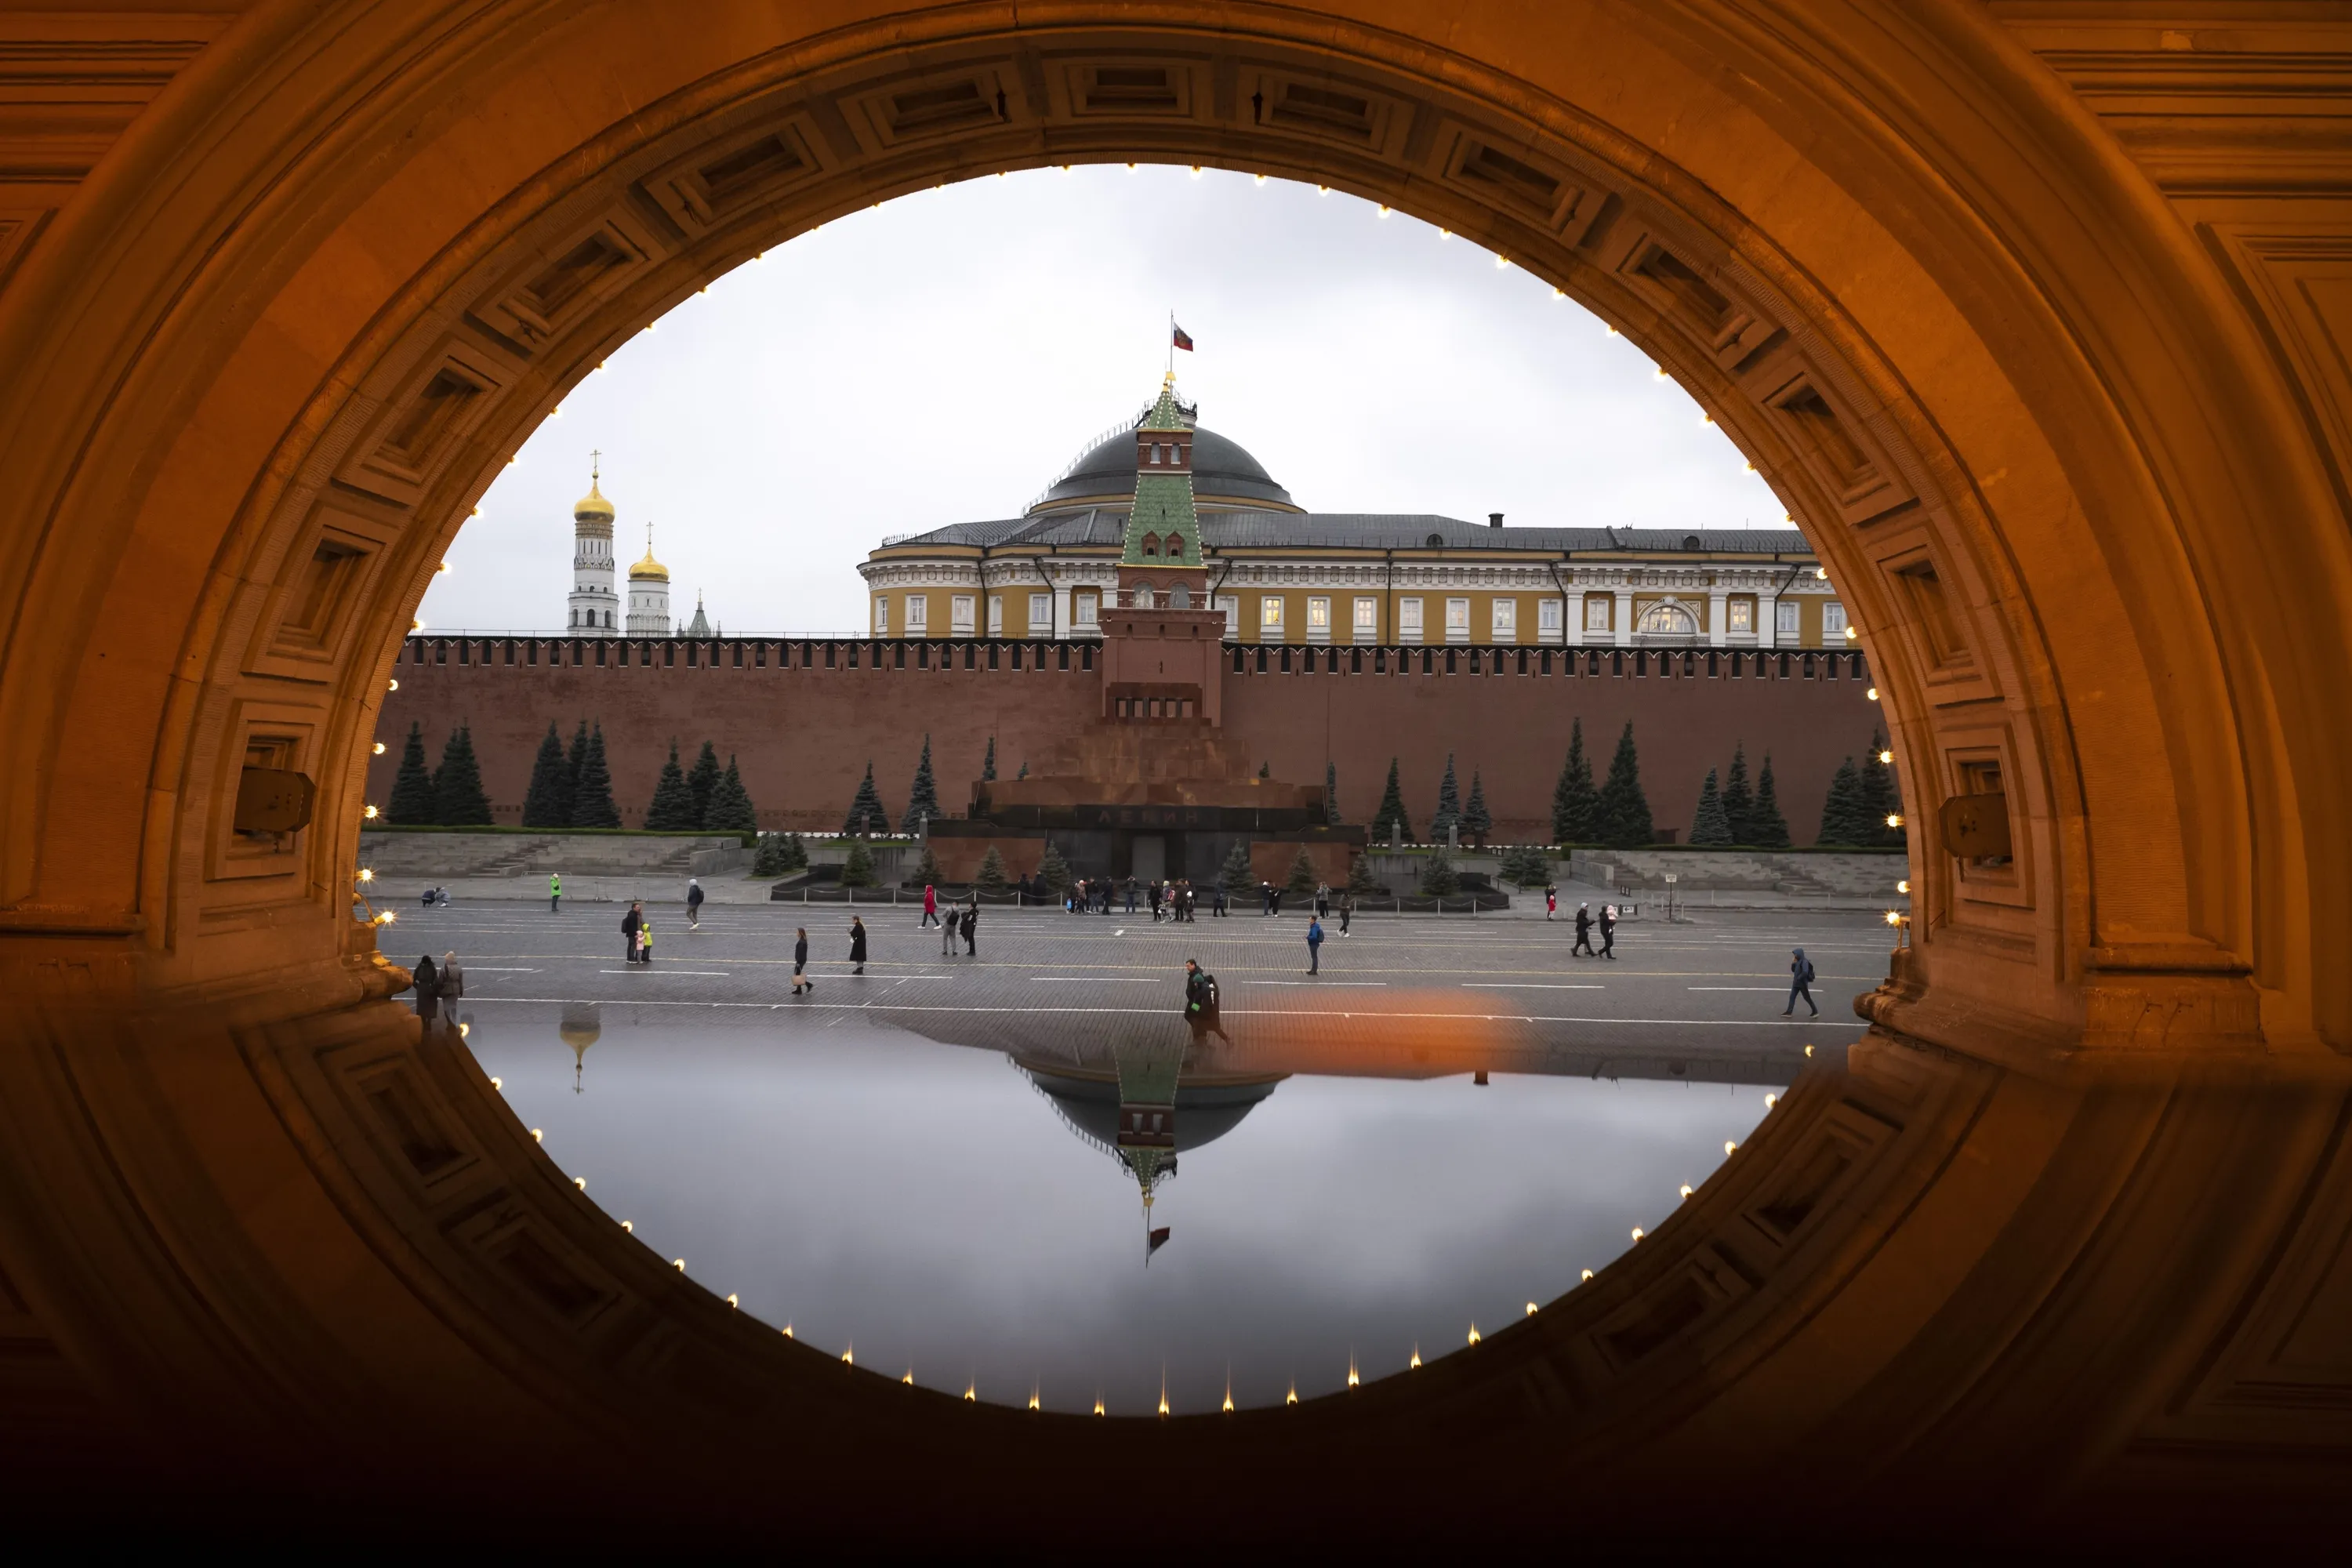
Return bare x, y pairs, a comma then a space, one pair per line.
693, 903
1608, 931
801, 979
1217, 901
858, 944
972, 929
1130, 896
428, 981
1346, 910
1583, 934
1322, 900
931, 907
629, 924
554, 892
1314, 945
1801, 983
453, 979
1551, 899
1152, 896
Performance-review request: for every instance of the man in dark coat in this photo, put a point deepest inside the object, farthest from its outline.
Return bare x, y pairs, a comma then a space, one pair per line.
971, 923
858, 944
1801, 983
1583, 932
801, 980
1608, 931
629, 924
693, 901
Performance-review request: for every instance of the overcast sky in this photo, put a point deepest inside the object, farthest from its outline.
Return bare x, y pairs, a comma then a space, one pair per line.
940, 359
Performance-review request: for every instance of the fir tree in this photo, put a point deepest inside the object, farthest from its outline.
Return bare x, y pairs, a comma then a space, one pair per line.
703, 782
866, 813
1235, 873
1575, 803
923, 800
1767, 829
1052, 869
991, 878
1265, 770
548, 802
1449, 804
412, 802
1390, 821
1624, 811
1739, 803
458, 798
927, 869
1526, 866
672, 809
730, 808
1877, 795
795, 852
1842, 818
592, 798
1302, 879
1439, 878
574, 758
1360, 875
773, 857
858, 871
1331, 793
1477, 820
988, 775
1712, 824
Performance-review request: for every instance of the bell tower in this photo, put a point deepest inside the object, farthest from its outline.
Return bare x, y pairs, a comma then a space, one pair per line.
593, 606
1162, 640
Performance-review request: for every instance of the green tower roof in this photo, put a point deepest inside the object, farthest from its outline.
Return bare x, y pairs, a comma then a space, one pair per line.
1164, 502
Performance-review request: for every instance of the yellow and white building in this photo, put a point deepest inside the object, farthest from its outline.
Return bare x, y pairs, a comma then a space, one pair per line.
1284, 574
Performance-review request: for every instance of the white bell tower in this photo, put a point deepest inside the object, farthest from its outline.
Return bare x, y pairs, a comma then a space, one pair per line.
595, 608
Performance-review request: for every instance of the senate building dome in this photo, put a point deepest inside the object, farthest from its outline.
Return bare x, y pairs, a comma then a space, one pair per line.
1225, 476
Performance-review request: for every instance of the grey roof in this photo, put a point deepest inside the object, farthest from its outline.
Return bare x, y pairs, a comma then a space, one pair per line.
1220, 467
1360, 530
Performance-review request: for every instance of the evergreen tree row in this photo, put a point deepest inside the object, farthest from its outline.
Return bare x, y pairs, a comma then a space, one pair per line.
1733, 813
1860, 801
450, 796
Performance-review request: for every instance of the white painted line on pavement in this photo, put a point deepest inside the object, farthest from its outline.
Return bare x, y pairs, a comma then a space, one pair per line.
1523, 985
1775, 989
653, 968
1096, 980
1162, 1012
1316, 984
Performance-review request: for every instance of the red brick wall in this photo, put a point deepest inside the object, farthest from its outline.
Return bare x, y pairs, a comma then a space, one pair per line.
803, 735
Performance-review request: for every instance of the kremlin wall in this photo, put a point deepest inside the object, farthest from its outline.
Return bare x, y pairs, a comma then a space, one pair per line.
804, 717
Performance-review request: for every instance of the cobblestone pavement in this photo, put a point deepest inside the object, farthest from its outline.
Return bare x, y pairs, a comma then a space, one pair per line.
1704, 989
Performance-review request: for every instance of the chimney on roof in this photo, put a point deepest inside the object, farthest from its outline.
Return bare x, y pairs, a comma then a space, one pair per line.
1494, 520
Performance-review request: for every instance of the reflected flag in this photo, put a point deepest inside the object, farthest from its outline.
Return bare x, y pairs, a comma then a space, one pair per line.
1153, 1241
1182, 340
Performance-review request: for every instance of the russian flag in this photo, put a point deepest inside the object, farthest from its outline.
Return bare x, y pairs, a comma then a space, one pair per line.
1183, 339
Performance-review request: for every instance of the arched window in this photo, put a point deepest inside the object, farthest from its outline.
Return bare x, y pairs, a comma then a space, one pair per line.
1143, 595
1668, 621
1179, 598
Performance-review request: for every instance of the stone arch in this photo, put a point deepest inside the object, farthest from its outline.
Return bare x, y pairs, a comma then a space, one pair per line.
335, 275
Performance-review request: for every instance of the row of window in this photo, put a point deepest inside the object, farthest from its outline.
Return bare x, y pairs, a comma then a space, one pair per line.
1665, 618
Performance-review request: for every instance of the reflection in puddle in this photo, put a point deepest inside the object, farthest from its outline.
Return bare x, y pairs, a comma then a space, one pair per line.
1237, 1211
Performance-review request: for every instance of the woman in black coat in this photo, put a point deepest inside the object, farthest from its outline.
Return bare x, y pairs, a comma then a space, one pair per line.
801, 980
858, 944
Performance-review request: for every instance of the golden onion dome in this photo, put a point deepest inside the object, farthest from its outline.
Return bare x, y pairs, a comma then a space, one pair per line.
649, 570
592, 507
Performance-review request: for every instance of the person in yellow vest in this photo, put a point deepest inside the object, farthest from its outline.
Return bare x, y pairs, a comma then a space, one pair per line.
554, 892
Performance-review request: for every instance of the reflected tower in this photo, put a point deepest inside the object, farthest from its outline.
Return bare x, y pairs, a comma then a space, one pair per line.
582, 1027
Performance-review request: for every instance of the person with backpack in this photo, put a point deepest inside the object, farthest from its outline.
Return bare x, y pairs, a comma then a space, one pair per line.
1314, 945
693, 903
1800, 981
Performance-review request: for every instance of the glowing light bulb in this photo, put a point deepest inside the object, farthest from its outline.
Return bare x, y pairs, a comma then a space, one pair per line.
1352, 1379
392, 685
377, 749
1770, 1100
632, 1230
1904, 886
1416, 1357
366, 875
464, 1030
1033, 1399
1894, 819
969, 1394
1751, 468
1809, 1050
731, 1300
1501, 262
1637, 1232
368, 812
1729, 1145
1196, 171
580, 1181
1852, 634
1588, 1274
1893, 919
1292, 1398
1872, 694
1687, 1190
909, 1379
1229, 1402
1658, 373
1612, 331
849, 1356
497, 1083
1886, 756
679, 1264
1130, 169
1099, 1408
1261, 179
1445, 234
1474, 1334
1559, 294
537, 1136
1532, 1308
386, 918
1163, 1404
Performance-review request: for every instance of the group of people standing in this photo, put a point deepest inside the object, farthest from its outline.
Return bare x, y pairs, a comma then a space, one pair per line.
1172, 901
956, 920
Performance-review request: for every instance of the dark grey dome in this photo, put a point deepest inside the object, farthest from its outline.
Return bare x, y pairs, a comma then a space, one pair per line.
1205, 1113
1222, 472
